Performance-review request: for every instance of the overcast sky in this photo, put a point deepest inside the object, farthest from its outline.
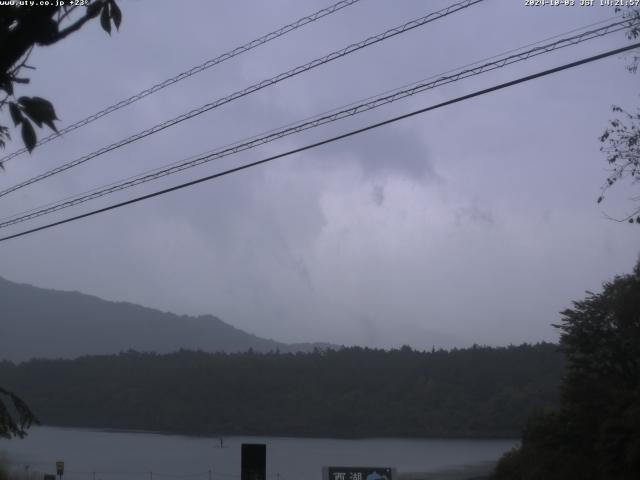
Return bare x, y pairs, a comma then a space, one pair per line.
475, 223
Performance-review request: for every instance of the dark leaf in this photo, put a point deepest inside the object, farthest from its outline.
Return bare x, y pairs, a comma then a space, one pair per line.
28, 135
34, 118
93, 10
600, 198
50, 124
39, 110
104, 19
14, 421
4, 133
16, 114
116, 14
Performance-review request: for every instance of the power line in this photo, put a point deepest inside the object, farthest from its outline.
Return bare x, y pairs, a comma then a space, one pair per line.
477, 62
274, 134
192, 71
334, 115
329, 140
253, 88
157, 169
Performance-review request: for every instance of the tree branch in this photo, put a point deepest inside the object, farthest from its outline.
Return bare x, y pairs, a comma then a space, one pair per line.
66, 13
74, 27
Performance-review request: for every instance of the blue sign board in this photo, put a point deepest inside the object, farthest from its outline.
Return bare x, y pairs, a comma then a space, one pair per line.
359, 473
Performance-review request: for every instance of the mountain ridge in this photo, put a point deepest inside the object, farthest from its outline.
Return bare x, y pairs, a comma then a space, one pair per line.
38, 322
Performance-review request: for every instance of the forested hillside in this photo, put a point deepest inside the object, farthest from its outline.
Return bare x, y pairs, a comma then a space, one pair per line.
352, 392
44, 323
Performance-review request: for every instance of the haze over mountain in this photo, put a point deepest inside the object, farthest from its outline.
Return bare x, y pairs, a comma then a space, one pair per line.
42, 323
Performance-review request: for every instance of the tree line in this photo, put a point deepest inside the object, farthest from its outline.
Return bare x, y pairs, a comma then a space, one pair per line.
350, 392
594, 433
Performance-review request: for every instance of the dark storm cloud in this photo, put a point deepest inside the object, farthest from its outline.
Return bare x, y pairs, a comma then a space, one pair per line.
377, 195
389, 151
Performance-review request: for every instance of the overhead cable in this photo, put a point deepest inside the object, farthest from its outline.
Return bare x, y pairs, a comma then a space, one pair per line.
189, 73
335, 115
327, 141
251, 89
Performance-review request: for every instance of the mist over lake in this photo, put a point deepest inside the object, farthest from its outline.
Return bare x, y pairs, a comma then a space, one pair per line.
132, 455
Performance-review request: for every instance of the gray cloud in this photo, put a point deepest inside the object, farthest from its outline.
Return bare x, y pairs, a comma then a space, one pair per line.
473, 223
476, 215
388, 151
377, 195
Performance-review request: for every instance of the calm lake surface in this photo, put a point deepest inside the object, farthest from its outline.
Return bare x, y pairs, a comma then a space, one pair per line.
132, 455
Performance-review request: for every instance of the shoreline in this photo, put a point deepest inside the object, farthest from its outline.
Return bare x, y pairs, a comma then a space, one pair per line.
86, 450
479, 471
275, 435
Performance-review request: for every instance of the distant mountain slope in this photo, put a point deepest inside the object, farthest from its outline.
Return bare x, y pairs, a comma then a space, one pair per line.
42, 323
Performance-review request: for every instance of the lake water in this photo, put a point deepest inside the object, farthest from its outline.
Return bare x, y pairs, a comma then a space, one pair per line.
151, 456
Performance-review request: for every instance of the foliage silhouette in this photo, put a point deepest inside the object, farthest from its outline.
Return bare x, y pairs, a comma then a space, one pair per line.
595, 433
621, 139
23, 27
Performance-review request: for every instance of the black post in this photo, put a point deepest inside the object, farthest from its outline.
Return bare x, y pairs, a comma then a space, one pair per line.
254, 461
